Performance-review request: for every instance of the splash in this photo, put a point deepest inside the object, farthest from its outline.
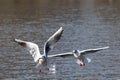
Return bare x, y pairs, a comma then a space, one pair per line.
52, 68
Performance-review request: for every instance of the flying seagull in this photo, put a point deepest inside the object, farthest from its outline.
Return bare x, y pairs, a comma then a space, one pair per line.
80, 56
41, 59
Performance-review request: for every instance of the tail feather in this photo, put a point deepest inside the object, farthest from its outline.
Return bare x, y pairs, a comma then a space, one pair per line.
79, 62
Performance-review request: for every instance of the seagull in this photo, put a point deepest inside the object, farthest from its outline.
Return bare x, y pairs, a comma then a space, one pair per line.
80, 56
41, 59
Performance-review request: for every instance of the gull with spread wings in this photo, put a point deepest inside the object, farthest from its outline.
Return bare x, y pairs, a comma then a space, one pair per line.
80, 56
41, 59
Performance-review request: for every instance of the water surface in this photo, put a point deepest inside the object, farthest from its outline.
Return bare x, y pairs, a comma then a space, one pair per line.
86, 23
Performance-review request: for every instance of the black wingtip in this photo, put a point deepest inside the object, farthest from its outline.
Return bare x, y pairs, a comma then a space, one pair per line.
20, 42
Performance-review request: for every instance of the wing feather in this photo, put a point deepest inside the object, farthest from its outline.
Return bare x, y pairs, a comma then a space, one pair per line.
31, 47
92, 50
52, 40
61, 54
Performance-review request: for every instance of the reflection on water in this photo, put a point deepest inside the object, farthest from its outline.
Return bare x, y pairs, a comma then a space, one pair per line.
53, 68
86, 23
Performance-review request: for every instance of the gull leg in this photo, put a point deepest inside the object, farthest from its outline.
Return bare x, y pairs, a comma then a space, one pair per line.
82, 64
47, 68
40, 70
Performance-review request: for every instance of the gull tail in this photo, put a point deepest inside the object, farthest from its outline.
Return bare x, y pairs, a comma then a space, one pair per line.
78, 61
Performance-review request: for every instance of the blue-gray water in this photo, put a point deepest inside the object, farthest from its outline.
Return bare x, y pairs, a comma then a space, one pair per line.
86, 24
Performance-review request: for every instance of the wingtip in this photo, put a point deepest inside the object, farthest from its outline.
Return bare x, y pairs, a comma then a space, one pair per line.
16, 40
106, 47
61, 28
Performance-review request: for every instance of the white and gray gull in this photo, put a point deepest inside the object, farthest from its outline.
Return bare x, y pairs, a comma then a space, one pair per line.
80, 56
41, 59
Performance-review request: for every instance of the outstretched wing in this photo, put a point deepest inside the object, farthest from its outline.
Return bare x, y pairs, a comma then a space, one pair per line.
51, 41
92, 50
31, 47
61, 54
76, 55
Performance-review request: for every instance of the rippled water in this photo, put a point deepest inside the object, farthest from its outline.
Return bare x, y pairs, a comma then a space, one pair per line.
86, 23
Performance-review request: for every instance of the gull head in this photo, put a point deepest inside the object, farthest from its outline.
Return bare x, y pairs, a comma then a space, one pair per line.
76, 53
42, 60
79, 57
